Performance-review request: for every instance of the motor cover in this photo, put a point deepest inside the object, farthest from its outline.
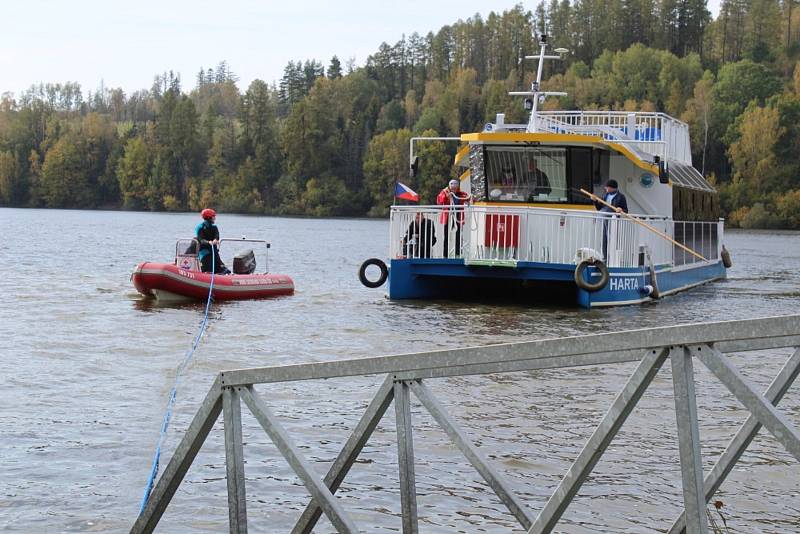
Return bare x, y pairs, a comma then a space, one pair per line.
244, 262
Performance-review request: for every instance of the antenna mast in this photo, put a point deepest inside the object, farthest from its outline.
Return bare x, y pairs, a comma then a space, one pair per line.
535, 96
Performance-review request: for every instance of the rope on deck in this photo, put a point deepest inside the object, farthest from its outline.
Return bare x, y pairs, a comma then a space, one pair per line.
173, 393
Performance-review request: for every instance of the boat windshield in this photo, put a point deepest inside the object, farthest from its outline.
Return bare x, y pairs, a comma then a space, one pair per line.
527, 174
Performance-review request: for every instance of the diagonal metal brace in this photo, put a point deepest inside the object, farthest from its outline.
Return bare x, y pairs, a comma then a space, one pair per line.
341, 466
478, 461
763, 410
727, 460
181, 460
605, 432
329, 504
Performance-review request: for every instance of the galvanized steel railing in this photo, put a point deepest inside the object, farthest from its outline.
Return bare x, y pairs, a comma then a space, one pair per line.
682, 345
542, 235
656, 134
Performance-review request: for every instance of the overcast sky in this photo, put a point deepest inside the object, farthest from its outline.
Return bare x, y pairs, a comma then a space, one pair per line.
126, 43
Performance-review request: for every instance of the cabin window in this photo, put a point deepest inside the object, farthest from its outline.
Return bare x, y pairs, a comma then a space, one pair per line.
527, 174
534, 173
580, 172
601, 165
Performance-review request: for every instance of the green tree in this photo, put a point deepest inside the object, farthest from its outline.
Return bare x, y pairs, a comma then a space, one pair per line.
133, 172
335, 68
8, 177
385, 163
65, 181
435, 167
755, 164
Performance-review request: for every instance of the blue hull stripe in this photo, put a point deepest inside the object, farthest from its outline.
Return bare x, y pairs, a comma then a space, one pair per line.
421, 279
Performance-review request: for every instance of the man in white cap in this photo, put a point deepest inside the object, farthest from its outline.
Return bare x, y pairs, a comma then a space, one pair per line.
452, 196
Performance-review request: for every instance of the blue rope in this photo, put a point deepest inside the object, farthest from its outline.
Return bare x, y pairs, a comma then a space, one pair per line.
174, 392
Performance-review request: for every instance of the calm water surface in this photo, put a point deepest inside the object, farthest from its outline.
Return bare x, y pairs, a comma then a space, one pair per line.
88, 365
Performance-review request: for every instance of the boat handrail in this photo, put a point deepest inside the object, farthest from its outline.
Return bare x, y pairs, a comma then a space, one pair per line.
544, 235
548, 210
653, 133
243, 239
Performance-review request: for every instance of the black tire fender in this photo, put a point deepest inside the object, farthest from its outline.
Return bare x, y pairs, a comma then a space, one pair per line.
726, 258
362, 273
581, 281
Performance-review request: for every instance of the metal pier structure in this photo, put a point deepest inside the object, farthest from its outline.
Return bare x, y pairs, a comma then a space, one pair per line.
682, 346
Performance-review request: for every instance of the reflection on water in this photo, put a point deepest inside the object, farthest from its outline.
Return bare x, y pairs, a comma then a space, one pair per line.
89, 364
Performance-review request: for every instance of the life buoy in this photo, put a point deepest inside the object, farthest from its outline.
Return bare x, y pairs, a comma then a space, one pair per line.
581, 281
362, 273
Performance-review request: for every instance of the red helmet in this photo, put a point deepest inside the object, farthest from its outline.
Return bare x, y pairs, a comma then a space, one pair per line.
208, 213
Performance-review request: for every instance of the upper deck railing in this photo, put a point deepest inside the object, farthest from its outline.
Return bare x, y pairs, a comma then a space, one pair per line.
656, 134
544, 235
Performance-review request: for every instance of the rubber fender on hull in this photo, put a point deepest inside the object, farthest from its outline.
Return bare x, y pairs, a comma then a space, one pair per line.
726, 257
581, 281
362, 273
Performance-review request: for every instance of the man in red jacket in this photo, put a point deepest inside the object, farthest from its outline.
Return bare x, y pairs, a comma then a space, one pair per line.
452, 217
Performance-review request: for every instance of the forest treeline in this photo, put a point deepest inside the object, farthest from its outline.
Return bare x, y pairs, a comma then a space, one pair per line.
331, 139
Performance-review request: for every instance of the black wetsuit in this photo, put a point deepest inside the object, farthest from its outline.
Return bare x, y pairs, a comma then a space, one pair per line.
207, 232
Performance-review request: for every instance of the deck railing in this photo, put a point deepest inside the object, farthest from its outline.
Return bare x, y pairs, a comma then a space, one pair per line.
507, 234
682, 346
656, 134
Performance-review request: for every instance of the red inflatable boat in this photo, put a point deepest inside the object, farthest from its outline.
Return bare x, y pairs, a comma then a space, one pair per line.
183, 278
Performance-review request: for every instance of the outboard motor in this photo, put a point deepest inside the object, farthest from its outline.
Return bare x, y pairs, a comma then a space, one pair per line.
244, 262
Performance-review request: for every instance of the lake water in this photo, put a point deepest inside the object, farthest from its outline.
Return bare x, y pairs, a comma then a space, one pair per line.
88, 364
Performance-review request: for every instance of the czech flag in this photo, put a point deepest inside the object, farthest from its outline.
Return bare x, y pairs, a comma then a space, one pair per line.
405, 192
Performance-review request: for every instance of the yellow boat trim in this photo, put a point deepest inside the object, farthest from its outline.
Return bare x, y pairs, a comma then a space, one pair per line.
461, 154
506, 137
632, 157
464, 175
538, 205
531, 137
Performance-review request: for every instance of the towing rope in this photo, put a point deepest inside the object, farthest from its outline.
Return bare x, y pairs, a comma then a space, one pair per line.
173, 393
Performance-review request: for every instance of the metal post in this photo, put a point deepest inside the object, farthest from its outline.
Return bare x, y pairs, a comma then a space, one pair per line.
456, 434
688, 440
775, 392
319, 491
341, 466
405, 458
234, 460
616, 415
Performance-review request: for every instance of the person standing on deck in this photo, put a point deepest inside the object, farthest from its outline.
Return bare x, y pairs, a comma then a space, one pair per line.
420, 237
615, 198
207, 235
452, 196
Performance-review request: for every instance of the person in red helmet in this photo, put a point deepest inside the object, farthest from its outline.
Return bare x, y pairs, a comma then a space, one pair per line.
207, 235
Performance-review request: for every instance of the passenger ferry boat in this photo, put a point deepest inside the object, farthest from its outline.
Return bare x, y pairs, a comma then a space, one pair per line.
529, 228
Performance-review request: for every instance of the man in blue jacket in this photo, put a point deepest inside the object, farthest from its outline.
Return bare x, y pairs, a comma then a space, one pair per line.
614, 197
207, 235
619, 203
